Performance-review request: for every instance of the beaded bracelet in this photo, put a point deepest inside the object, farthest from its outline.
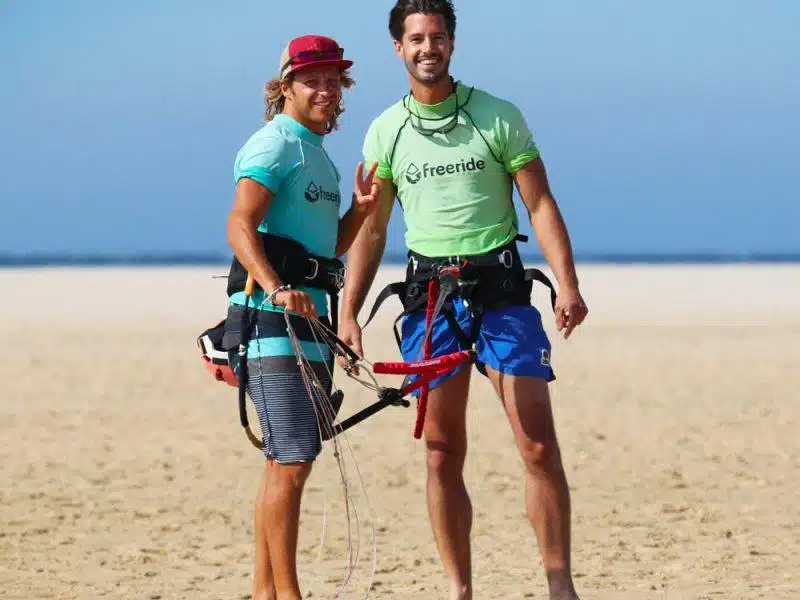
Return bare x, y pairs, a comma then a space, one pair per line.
276, 291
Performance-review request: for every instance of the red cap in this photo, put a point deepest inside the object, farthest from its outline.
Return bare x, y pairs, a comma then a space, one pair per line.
312, 50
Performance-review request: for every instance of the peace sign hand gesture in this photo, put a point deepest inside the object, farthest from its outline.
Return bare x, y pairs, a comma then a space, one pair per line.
367, 190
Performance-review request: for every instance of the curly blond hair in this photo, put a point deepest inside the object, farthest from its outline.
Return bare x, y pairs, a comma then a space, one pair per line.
274, 100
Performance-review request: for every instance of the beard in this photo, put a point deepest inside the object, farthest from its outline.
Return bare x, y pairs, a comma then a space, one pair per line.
428, 77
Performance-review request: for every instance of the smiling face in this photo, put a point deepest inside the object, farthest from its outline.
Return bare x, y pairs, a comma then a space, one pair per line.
313, 95
426, 48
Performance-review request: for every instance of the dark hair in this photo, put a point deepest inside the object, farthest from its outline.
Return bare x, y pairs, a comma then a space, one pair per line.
406, 8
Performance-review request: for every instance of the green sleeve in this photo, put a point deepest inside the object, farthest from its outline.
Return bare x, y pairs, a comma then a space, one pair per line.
516, 141
375, 149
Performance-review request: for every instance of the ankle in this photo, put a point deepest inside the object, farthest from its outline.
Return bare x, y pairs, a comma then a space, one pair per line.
460, 591
560, 585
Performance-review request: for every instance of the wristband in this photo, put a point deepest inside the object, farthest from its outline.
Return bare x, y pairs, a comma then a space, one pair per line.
276, 291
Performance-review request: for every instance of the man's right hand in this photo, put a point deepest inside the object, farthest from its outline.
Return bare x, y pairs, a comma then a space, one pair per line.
296, 301
350, 333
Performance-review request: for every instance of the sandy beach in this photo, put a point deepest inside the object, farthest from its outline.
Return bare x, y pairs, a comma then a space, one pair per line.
127, 475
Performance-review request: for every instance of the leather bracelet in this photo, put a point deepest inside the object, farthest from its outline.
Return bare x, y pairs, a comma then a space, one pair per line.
276, 291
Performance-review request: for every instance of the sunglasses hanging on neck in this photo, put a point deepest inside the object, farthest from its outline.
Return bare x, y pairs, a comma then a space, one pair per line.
451, 120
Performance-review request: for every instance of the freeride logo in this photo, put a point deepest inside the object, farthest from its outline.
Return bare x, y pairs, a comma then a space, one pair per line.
414, 174
314, 192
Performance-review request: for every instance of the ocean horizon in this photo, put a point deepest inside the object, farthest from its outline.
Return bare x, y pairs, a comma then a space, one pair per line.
8, 261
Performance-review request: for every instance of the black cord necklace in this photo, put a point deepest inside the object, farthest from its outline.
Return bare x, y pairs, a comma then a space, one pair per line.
451, 118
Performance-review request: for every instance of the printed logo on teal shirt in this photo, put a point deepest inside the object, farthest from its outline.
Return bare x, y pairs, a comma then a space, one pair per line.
314, 192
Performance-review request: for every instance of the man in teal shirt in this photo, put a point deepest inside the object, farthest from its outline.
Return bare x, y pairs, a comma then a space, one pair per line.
451, 155
286, 187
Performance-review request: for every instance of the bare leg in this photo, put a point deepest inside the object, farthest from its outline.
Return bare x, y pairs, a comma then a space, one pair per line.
263, 583
527, 403
281, 520
449, 505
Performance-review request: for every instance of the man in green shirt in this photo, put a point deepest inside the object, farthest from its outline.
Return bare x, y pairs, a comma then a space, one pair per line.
451, 154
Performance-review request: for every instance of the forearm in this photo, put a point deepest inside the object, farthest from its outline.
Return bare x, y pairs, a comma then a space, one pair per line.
363, 260
551, 233
349, 226
246, 244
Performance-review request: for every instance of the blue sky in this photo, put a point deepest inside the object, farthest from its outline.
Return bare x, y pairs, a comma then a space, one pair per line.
669, 127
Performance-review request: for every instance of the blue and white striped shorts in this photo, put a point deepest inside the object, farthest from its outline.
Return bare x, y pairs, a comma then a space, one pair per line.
287, 413
288, 416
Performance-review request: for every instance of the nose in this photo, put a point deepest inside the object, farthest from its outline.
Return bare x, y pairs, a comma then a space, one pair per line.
328, 89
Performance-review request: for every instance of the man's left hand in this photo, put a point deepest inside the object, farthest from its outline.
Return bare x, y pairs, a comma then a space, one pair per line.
367, 190
570, 310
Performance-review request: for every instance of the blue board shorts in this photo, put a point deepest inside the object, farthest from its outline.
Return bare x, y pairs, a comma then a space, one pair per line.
511, 340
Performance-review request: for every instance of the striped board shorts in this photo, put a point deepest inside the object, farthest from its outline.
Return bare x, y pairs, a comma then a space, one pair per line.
289, 416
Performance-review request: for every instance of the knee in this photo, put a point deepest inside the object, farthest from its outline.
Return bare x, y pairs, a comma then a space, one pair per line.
445, 460
541, 457
290, 476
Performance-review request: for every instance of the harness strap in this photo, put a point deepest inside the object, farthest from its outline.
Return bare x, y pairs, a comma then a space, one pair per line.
537, 275
397, 288
413, 291
294, 265
246, 325
465, 341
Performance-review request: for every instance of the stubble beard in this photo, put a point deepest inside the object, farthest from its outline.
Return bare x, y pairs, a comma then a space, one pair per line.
428, 78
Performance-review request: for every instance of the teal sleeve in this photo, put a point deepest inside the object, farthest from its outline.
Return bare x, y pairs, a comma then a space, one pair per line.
374, 149
516, 140
268, 160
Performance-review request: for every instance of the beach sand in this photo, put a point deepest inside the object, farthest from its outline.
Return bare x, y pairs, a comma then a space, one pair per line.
127, 475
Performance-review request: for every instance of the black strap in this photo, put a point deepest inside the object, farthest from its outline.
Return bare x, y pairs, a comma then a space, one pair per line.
334, 312
465, 341
537, 275
398, 288
294, 265
245, 326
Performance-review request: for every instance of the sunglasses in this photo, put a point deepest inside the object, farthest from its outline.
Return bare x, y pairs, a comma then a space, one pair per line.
310, 56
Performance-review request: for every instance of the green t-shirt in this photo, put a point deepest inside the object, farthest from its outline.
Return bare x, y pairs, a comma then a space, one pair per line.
455, 187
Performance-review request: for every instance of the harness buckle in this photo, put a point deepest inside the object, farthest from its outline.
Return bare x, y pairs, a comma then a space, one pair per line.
414, 263
506, 258
450, 269
315, 267
338, 277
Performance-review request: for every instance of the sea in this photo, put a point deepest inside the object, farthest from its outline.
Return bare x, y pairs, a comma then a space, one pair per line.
13, 261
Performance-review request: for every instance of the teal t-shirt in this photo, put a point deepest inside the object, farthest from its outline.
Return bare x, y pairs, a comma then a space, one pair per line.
455, 187
289, 159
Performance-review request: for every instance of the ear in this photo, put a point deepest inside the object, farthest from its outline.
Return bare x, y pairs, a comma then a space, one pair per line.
398, 48
452, 46
286, 87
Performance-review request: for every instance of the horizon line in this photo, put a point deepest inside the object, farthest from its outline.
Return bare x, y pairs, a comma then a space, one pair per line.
45, 259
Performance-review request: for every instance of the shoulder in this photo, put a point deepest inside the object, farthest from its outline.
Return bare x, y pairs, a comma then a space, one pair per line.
390, 119
270, 143
271, 136
488, 105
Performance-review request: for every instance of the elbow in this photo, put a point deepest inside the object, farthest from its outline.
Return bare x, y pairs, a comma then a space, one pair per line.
231, 230
236, 226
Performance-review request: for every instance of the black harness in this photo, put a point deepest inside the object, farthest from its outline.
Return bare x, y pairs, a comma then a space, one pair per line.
295, 266
488, 281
